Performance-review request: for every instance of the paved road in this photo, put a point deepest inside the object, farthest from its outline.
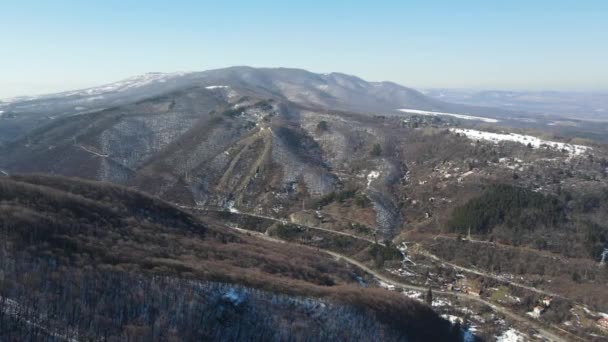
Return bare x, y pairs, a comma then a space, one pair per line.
508, 313
427, 253
488, 275
354, 236
432, 256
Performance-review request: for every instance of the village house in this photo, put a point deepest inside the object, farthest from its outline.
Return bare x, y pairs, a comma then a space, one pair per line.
536, 312
603, 323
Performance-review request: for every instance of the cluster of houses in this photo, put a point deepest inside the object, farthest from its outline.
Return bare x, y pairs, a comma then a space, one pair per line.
460, 284
540, 307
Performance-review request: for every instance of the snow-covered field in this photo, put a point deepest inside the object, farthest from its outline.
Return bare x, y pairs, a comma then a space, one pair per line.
459, 116
413, 294
511, 335
522, 139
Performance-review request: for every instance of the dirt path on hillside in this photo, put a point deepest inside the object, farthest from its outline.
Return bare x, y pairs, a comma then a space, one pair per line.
285, 221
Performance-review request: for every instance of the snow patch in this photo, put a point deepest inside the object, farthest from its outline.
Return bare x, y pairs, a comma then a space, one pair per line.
468, 335
129, 83
441, 302
511, 335
386, 285
231, 208
453, 319
217, 87
459, 116
413, 294
234, 297
535, 142
372, 176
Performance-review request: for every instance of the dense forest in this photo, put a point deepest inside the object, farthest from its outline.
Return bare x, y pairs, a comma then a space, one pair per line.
516, 208
572, 224
92, 261
119, 306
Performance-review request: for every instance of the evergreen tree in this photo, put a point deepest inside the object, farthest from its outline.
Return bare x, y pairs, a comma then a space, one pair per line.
376, 150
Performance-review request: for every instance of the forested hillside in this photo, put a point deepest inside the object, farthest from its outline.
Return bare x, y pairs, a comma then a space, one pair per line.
92, 261
520, 216
516, 208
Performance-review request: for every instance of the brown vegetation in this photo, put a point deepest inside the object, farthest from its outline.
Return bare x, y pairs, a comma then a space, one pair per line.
83, 225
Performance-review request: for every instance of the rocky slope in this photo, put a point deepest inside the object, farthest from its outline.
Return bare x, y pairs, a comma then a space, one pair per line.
219, 146
333, 91
261, 148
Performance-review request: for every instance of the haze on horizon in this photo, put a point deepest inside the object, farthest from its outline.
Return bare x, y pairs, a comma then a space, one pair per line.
519, 45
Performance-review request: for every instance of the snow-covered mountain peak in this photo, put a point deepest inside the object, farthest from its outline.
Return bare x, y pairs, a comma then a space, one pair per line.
128, 83
125, 84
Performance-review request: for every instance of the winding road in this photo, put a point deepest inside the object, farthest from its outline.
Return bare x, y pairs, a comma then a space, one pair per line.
424, 252
284, 221
508, 313
487, 275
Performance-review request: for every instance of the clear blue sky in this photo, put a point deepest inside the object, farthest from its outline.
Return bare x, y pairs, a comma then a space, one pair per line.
533, 44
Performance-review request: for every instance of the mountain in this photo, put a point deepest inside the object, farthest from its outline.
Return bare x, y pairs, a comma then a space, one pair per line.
239, 136
387, 179
91, 261
581, 114
572, 105
333, 91
268, 141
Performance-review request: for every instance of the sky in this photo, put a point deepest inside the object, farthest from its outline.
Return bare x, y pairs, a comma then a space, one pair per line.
55, 45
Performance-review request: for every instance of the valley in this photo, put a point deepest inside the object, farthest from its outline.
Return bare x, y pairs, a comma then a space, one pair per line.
335, 194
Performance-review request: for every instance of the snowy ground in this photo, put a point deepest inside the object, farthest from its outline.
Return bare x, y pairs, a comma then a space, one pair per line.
417, 295
231, 208
129, 83
371, 177
459, 116
510, 335
522, 139
386, 286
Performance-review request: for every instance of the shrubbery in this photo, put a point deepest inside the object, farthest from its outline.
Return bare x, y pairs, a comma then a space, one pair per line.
335, 196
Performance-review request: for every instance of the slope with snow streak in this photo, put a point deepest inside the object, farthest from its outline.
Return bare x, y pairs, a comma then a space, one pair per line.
128, 83
573, 150
459, 116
